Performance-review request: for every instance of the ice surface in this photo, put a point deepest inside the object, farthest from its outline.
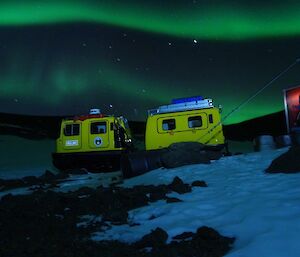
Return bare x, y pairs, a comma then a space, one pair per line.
20, 157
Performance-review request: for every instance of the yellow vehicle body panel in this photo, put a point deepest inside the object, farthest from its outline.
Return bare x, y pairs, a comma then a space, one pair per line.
90, 135
201, 125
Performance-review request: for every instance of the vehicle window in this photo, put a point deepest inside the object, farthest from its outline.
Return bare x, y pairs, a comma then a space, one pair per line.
195, 122
210, 118
168, 124
71, 130
98, 127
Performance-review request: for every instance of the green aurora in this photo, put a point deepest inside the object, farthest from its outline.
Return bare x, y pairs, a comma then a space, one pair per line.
66, 83
45, 71
222, 21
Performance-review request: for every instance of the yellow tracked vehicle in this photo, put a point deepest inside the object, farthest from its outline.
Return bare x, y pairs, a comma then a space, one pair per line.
94, 142
183, 122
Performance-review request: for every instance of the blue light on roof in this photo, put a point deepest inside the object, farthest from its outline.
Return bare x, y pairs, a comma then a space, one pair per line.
187, 99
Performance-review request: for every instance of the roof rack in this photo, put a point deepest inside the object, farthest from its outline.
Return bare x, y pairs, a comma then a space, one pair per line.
182, 106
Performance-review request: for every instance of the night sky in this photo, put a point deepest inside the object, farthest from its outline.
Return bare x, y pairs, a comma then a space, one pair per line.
124, 57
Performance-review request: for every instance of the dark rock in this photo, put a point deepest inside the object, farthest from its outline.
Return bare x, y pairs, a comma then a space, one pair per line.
152, 217
36, 187
116, 216
53, 185
207, 233
173, 200
157, 195
131, 198
184, 236
78, 171
178, 186
31, 180
47, 176
115, 179
157, 238
62, 175
7, 197
160, 190
186, 153
206, 242
288, 162
134, 224
13, 183
199, 183
85, 191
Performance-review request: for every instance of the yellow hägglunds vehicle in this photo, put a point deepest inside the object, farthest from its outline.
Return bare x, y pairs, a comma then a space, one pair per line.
192, 119
185, 120
94, 142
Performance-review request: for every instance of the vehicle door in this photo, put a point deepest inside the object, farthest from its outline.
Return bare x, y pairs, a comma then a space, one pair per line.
98, 134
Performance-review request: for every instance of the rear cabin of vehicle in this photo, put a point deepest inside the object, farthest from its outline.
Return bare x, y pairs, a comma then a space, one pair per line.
185, 120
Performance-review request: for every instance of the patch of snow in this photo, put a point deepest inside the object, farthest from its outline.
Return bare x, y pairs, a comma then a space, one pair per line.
261, 210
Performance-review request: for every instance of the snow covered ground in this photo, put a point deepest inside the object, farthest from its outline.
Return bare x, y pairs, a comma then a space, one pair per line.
262, 211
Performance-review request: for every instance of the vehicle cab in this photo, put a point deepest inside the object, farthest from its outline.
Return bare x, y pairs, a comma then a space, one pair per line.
94, 141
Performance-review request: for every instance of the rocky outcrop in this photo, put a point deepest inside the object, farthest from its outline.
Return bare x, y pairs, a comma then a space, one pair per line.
186, 153
48, 178
48, 223
288, 162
